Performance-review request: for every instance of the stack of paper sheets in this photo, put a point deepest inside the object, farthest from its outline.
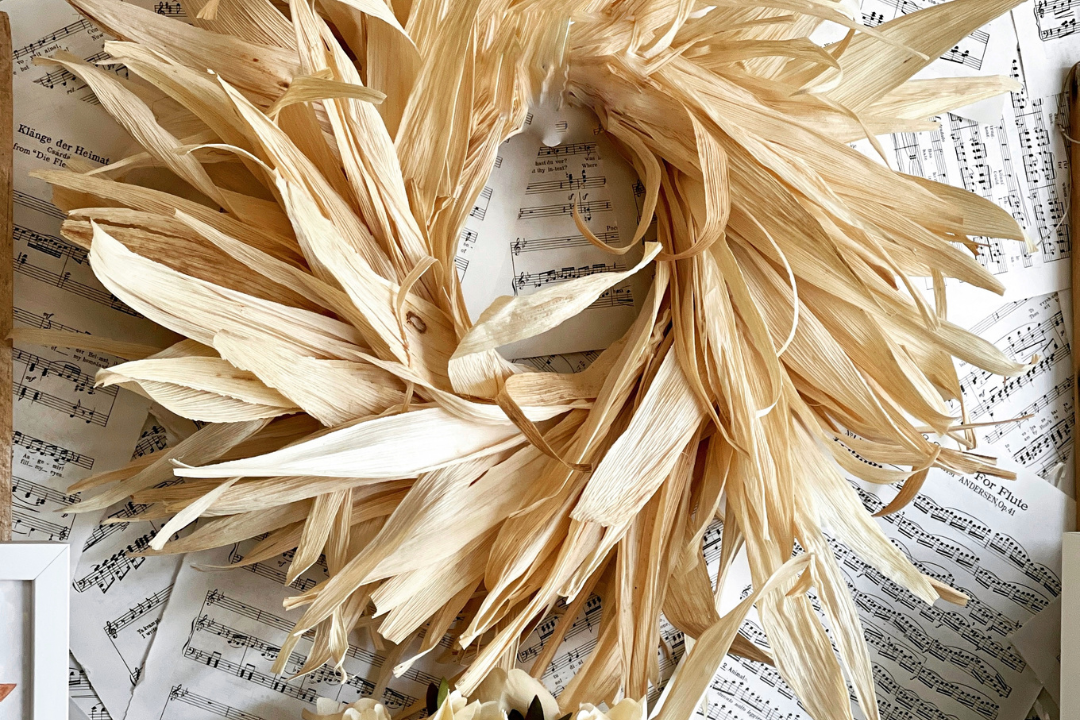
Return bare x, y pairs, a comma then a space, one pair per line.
165, 637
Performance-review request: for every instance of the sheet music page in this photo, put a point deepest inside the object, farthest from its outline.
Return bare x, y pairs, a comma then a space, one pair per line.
117, 600
939, 662
521, 236
220, 635
1037, 635
82, 693
65, 429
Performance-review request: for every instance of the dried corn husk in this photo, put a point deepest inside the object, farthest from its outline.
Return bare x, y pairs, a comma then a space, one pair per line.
356, 411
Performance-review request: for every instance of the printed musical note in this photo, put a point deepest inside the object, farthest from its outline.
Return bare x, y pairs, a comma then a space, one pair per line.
567, 363
1040, 398
61, 455
32, 493
559, 151
482, 203
185, 696
114, 568
38, 367
549, 277
462, 264
619, 296
170, 9
24, 522
158, 599
1056, 18
62, 77
939, 661
571, 182
970, 52
152, 440
215, 661
60, 276
522, 236
221, 635
528, 245
105, 530
585, 209
72, 410
49, 43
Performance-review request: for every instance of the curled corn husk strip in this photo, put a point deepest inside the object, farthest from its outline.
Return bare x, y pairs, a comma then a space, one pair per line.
324, 161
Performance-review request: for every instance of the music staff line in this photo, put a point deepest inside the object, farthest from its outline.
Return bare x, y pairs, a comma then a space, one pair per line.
36, 495
1055, 18
62, 76
106, 528
44, 45
114, 568
64, 282
1000, 544
182, 694
589, 619
216, 597
1004, 546
42, 206
1062, 389
567, 149
559, 275
1042, 340
61, 455
151, 441
113, 627
585, 210
65, 252
479, 210
59, 369
170, 9
392, 699
72, 410
27, 522
584, 182
906, 705
964, 625
44, 321
562, 242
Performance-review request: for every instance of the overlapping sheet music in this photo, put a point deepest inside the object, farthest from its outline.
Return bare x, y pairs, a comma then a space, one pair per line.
221, 634
84, 698
218, 633
1033, 639
1047, 31
65, 429
117, 598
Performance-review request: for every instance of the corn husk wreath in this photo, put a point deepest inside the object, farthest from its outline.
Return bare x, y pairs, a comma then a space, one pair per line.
304, 176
